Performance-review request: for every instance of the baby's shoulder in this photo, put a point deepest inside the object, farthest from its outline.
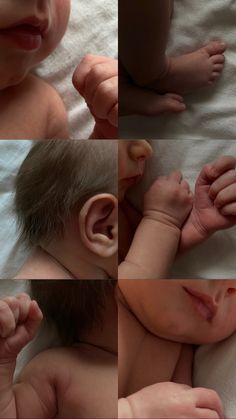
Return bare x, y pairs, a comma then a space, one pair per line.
32, 110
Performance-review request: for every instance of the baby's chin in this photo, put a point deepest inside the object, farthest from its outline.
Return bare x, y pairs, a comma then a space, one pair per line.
13, 76
198, 338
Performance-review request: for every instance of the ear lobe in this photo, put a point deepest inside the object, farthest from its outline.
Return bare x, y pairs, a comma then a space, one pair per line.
98, 222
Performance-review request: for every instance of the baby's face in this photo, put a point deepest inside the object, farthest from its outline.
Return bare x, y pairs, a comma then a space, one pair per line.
29, 31
132, 157
188, 311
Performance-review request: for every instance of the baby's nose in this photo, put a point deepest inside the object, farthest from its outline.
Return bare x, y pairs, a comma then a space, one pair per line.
224, 288
140, 150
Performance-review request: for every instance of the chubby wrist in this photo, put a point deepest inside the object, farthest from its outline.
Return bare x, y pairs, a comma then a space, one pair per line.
192, 234
162, 218
124, 409
162, 221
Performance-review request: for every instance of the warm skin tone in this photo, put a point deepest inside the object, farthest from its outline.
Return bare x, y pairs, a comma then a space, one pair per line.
160, 320
66, 382
143, 36
21, 48
167, 203
213, 208
87, 249
95, 77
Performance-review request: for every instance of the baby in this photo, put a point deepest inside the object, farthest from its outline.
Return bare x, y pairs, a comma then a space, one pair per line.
66, 204
159, 321
173, 220
146, 69
30, 30
76, 380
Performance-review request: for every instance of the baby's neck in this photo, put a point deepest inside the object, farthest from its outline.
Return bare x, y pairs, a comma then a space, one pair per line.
78, 264
104, 337
41, 265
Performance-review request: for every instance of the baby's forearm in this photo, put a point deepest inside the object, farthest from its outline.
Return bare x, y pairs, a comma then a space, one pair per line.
7, 397
152, 251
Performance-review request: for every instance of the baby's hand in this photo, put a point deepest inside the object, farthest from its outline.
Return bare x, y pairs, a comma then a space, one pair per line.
168, 200
20, 318
171, 400
214, 206
96, 79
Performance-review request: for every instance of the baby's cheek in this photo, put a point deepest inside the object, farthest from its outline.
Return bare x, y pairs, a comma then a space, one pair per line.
59, 17
61, 12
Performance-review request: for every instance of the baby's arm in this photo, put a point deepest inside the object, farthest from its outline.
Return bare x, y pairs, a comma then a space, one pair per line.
19, 321
214, 206
171, 400
96, 79
166, 206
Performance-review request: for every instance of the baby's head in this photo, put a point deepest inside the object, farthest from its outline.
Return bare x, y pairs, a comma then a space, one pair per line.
75, 306
29, 31
66, 191
132, 157
187, 311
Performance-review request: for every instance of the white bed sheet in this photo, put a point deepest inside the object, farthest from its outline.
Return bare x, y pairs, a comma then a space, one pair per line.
92, 29
12, 253
210, 112
214, 259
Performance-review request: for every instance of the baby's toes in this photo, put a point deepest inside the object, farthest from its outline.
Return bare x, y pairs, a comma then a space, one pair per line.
215, 48
217, 59
218, 67
173, 103
214, 76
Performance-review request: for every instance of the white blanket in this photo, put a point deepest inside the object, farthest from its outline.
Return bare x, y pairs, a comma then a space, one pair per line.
215, 258
210, 112
92, 29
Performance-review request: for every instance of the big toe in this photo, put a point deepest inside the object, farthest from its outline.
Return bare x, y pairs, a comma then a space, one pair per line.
215, 47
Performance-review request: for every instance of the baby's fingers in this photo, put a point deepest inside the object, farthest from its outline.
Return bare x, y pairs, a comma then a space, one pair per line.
105, 98
226, 196
7, 318
229, 210
84, 68
211, 171
222, 182
176, 176
26, 331
98, 74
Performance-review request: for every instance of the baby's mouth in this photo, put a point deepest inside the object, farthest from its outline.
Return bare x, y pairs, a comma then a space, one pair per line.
132, 180
26, 34
203, 304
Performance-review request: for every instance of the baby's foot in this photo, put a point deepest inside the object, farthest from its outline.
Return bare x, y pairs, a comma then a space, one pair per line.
158, 104
141, 101
190, 72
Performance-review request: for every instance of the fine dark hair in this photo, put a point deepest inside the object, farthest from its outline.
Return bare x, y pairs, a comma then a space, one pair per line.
74, 306
56, 178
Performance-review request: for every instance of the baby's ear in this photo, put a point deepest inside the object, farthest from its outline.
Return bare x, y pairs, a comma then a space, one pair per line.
98, 222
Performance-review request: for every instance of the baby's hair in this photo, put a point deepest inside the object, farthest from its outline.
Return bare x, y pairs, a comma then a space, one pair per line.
56, 178
74, 306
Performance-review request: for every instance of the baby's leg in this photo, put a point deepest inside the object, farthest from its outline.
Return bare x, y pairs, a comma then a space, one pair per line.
143, 35
143, 29
192, 71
